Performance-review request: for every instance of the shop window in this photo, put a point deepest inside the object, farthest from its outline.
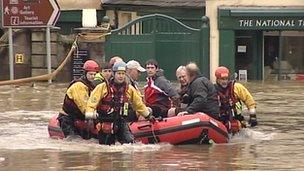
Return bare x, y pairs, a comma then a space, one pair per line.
293, 54
291, 65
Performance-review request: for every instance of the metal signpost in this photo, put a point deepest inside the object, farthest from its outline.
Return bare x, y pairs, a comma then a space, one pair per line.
29, 14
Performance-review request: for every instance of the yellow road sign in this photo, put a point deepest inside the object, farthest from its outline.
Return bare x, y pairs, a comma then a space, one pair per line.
19, 58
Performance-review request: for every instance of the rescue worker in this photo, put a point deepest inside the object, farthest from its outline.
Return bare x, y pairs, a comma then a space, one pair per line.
109, 103
75, 100
106, 70
133, 72
202, 93
231, 95
159, 93
104, 75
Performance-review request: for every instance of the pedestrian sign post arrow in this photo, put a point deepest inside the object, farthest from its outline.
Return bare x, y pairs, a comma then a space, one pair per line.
29, 13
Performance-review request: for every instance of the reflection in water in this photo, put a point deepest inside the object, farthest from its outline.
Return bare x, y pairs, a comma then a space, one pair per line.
277, 143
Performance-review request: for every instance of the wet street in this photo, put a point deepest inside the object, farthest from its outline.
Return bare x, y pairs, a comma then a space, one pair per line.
277, 143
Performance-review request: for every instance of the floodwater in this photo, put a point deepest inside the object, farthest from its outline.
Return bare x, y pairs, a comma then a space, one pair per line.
276, 144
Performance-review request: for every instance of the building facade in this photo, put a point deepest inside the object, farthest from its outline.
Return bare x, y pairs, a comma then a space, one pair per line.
264, 38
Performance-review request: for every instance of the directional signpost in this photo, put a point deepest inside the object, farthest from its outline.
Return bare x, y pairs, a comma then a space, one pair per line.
29, 14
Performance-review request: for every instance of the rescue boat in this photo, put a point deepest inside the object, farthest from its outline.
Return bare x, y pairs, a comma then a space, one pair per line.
197, 128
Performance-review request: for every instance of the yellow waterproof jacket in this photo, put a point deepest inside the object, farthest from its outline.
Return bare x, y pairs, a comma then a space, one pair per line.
99, 77
242, 94
79, 94
133, 95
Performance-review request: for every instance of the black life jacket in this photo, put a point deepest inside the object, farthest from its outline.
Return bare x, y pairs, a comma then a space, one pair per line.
69, 106
115, 103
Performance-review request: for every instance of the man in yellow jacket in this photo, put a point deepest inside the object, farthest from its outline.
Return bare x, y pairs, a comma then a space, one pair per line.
75, 100
109, 103
231, 95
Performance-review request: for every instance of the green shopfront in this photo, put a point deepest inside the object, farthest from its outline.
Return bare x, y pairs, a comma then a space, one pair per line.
266, 42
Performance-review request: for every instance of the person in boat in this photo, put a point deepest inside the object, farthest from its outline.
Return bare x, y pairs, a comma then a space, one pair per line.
109, 104
104, 75
75, 100
159, 93
181, 76
202, 95
133, 72
115, 59
231, 96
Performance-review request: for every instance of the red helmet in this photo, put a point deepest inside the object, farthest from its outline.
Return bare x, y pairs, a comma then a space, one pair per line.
221, 72
91, 65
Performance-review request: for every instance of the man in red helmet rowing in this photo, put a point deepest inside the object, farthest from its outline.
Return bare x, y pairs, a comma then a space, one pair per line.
231, 95
76, 98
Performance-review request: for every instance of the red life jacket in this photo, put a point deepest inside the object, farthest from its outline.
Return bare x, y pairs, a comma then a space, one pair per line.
227, 100
69, 106
111, 107
154, 96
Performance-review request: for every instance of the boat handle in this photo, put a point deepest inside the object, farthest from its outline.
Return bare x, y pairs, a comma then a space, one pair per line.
145, 126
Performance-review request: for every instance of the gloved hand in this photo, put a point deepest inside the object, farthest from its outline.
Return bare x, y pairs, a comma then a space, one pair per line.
91, 115
151, 118
252, 118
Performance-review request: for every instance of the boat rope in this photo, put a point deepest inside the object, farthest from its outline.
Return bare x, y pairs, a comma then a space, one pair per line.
153, 133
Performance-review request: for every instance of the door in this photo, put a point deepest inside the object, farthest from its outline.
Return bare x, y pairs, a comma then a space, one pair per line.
271, 56
243, 55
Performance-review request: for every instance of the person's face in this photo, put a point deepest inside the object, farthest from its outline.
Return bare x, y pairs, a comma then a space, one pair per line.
91, 75
223, 82
151, 70
182, 77
107, 73
134, 74
119, 76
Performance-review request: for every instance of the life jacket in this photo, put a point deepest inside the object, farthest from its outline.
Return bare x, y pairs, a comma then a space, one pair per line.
227, 101
69, 106
115, 104
154, 96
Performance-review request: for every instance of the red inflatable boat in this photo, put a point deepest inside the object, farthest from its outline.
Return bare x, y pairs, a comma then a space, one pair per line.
188, 129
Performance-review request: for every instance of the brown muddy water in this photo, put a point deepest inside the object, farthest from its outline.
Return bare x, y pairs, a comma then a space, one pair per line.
276, 144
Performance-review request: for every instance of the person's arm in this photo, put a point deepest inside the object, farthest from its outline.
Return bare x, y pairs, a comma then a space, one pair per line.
137, 102
166, 86
97, 94
242, 93
199, 95
79, 93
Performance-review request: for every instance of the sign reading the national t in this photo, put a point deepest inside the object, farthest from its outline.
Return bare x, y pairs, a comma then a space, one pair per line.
29, 13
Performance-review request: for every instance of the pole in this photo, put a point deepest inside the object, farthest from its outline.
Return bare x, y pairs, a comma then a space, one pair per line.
11, 55
48, 51
280, 55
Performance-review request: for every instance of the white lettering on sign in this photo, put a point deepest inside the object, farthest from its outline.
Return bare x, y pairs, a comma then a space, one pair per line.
301, 22
270, 23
